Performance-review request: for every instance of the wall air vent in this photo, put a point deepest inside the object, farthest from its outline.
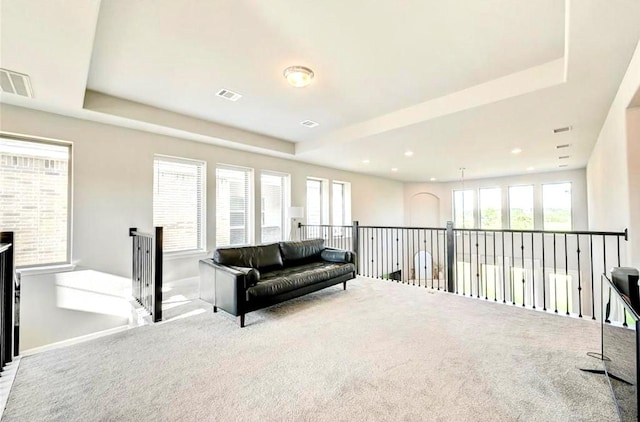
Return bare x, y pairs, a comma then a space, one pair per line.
309, 123
562, 129
229, 95
563, 146
15, 83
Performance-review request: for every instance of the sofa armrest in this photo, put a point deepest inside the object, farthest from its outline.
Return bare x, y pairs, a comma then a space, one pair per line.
225, 286
338, 255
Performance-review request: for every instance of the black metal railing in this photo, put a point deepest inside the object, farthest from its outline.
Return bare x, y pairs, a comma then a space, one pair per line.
548, 270
553, 271
340, 237
146, 275
7, 347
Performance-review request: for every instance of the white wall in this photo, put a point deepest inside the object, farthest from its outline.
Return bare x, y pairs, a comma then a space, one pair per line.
113, 179
612, 175
444, 191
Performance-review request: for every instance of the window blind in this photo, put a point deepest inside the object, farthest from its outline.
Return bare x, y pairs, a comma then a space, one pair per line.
178, 202
272, 212
34, 187
233, 206
314, 202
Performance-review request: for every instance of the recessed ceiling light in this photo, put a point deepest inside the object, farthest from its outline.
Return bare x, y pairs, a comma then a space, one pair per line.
433, 179
309, 123
408, 153
298, 76
366, 161
530, 168
394, 169
516, 151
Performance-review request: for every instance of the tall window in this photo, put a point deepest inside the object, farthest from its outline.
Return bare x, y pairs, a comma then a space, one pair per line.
315, 201
463, 209
233, 205
556, 203
34, 187
490, 208
521, 207
340, 203
273, 188
178, 202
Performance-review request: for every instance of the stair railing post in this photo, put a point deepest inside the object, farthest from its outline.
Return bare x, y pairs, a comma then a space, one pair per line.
356, 241
450, 258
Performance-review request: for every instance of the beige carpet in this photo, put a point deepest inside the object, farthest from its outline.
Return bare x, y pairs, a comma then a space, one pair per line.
376, 352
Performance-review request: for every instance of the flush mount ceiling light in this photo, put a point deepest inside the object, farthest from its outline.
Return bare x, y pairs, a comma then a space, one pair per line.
516, 151
433, 179
408, 153
366, 161
298, 76
530, 168
394, 169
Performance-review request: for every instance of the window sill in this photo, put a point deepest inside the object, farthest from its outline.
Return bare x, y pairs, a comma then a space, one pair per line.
169, 256
49, 269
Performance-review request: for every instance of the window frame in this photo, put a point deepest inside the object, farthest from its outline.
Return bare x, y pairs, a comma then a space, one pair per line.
474, 208
570, 202
533, 204
286, 201
70, 172
480, 189
325, 211
203, 199
250, 203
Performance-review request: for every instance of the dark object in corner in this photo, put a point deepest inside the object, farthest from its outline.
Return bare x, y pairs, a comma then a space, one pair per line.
245, 279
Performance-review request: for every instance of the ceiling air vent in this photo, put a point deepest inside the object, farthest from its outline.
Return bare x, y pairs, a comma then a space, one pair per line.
562, 129
15, 83
563, 165
309, 123
563, 146
229, 95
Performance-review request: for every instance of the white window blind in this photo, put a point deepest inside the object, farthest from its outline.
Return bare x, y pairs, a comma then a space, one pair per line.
233, 190
338, 204
178, 202
273, 192
314, 202
34, 187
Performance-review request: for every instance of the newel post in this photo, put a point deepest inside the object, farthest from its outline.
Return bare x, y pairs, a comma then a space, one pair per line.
450, 258
356, 241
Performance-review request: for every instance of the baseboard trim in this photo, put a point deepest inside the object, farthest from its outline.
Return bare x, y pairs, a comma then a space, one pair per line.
75, 340
6, 382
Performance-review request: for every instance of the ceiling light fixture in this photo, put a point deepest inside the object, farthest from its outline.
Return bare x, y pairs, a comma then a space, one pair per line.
366, 161
408, 153
433, 179
530, 168
516, 151
394, 169
298, 76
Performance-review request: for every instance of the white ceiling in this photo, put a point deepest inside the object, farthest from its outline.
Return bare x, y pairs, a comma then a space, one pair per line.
460, 83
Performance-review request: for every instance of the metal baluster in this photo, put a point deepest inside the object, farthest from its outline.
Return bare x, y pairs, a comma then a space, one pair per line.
579, 278
484, 274
566, 272
524, 274
544, 279
495, 271
533, 273
511, 278
477, 265
504, 274
593, 296
555, 275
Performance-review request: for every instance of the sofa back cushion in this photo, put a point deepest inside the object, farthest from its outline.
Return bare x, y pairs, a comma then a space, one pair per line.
294, 252
263, 257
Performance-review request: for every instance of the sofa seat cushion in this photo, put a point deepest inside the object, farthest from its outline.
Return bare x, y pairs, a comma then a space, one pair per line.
287, 279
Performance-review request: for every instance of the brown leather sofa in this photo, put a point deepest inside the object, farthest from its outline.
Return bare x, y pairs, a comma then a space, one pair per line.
245, 279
